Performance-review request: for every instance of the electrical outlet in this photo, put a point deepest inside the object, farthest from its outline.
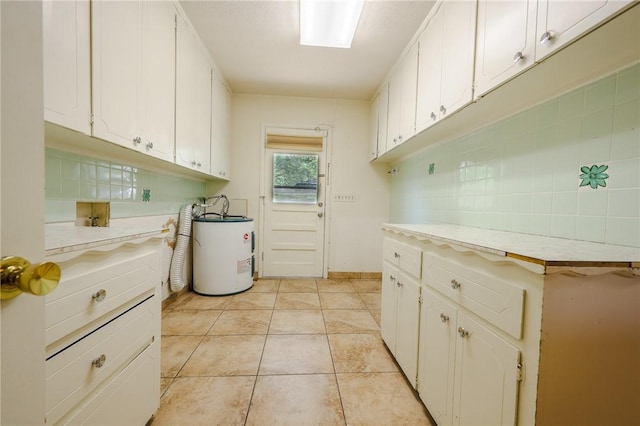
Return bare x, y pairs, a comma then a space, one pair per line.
344, 198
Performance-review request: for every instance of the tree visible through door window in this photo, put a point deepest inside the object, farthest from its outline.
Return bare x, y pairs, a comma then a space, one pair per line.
295, 178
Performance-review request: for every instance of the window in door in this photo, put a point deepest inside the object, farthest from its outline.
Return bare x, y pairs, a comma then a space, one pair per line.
295, 178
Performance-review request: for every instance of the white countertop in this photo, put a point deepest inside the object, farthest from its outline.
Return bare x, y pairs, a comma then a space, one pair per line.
547, 251
65, 238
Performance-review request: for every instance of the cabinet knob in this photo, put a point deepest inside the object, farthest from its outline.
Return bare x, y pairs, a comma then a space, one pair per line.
433, 116
100, 295
443, 109
444, 318
199, 164
150, 145
455, 284
392, 278
399, 284
396, 255
463, 333
19, 275
137, 140
518, 57
395, 140
99, 362
400, 138
546, 37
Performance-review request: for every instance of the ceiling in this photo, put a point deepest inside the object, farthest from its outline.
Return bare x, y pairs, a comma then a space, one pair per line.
255, 44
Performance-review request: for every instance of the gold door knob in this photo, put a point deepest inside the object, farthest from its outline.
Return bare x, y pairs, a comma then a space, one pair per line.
19, 275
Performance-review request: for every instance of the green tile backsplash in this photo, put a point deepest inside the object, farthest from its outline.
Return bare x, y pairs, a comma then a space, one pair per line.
71, 178
523, 173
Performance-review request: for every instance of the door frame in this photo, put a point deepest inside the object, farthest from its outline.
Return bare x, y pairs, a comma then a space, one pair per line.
326, 149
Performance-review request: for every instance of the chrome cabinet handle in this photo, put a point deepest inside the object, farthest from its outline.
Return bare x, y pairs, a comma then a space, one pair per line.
392, 278
463, 333
199, 164
99, 362
396, 254
443, 109
444, 318
546, 37
137, 140
433, 116
400, 138
150, 145
518, 57
100, 295
399, 284
455, 284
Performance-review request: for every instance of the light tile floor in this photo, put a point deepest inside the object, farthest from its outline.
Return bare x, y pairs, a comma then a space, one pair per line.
286, 352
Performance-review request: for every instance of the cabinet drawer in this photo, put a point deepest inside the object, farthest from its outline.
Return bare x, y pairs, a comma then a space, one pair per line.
404, 256
88, 293
73, 373
130, 398
491, 298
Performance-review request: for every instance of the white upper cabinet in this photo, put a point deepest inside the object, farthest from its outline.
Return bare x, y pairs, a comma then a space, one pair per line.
560, 22
220, 130
445, 69
402, 100
158, 61
506, 41
133, 75
373, 127
117, 71
67, 90
379, 111
193, 101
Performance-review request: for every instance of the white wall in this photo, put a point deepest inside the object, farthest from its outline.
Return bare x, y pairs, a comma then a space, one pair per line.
355, 240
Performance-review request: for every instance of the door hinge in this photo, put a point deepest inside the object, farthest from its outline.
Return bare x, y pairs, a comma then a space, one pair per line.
91, 119
519, 375
262, 256
417, 383
420, 299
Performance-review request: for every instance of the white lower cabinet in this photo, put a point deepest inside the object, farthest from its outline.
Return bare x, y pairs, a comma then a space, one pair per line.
103, 337
467, 373
400, 319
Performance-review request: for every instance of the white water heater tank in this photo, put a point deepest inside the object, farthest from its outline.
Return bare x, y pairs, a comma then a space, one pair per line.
222, 255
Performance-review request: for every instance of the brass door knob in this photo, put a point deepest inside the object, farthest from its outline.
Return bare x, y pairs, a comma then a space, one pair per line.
19, 275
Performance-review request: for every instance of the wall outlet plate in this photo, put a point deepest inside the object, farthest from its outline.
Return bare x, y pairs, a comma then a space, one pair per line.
344, 198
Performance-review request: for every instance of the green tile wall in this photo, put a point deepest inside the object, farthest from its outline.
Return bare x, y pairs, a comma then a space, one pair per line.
523, 174
70, 178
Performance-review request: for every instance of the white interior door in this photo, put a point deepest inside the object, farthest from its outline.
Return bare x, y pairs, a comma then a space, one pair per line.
293, 237
22, 358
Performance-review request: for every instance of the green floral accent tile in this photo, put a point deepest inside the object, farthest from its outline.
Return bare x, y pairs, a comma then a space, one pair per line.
594, 176
432, 168
146, 195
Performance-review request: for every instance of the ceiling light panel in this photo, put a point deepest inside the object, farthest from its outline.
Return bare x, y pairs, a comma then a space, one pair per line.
329, 23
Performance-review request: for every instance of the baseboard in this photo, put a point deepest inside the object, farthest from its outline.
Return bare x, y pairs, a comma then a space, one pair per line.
355, 275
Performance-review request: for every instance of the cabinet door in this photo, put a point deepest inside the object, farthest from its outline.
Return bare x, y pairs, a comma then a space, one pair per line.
383, 118
429, 74
407, 322
395, 101
486, 372
437, 356
158, 84
506, 42
220, 134
67, 90
388, 307
560, 22
409, 82
193, 102
374, 116
458, 41
117, 68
